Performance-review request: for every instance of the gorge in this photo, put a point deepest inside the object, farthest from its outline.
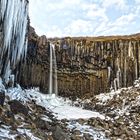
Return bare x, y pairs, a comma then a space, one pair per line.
70, 88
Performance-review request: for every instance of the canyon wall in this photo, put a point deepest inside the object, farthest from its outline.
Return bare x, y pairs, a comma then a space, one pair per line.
86, 65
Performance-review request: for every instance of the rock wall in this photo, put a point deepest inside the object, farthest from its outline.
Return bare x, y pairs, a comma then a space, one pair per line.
86, 65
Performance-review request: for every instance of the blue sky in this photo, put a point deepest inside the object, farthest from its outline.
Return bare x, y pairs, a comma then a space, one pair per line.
59, 18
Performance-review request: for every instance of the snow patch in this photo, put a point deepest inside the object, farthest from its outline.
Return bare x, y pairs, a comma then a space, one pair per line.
95, 134
61, 108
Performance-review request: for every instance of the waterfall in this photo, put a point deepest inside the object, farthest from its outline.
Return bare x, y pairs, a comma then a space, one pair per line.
53, 72
109, 72
14, 19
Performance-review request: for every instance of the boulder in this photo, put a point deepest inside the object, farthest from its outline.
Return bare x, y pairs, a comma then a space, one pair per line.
59, 134
17, 107
2, 97
42, 124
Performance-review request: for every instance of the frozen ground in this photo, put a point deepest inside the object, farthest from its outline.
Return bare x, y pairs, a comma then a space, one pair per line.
60, 107
112, 109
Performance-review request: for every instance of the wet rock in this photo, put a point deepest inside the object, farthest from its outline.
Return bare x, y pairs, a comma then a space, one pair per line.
17, 107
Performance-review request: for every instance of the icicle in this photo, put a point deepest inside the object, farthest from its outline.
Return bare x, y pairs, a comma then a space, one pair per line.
14, 17
7, 73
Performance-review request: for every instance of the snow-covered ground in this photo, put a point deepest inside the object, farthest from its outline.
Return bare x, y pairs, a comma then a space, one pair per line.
95, 134
60, 107
5, 132
114, 105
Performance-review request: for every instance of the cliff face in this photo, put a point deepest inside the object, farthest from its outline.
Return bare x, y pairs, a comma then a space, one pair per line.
86, 65
13, 39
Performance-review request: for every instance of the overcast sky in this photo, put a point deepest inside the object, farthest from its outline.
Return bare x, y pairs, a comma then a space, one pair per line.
57, 18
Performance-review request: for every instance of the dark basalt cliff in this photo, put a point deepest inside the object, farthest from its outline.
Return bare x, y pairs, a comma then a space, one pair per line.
86, 65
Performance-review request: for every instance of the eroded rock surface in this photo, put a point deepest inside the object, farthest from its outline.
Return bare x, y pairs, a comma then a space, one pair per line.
86, 65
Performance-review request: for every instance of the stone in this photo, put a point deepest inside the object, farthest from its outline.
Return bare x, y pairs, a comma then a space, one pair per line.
59, 134
17, 107
21, 137
81, 121
41, 124
86, 65
2, 97
87, 136
1, 111
74, 137
76, 132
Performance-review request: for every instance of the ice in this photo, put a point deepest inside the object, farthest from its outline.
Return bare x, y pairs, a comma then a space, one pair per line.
14, 15
96, 134
60, 107
7, 73
28, 133
2, 87
5, 133
104, 97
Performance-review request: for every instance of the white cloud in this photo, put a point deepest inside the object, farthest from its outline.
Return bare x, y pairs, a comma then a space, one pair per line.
84, 17
119, 4
78, 26
137, 1
119, 25
125, 19
54, 32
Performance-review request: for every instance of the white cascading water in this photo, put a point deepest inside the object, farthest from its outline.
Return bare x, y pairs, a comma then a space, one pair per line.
109, 72
53, 72
14, 17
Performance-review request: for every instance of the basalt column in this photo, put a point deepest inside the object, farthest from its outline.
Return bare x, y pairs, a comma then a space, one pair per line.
86, 66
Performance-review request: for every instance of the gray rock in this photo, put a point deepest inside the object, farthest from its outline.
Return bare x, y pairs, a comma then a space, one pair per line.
2, 97
17, 107
42, 124
59, 134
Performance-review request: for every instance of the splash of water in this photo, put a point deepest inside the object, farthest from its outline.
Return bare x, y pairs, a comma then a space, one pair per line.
53, 89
